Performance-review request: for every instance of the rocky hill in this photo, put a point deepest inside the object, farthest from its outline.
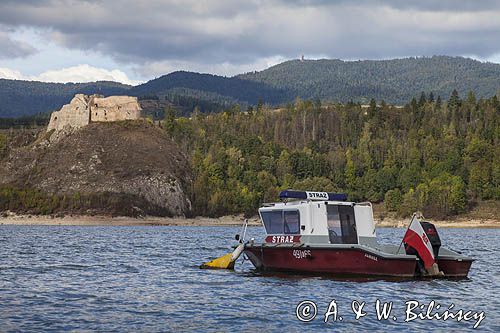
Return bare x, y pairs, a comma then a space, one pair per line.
119, 168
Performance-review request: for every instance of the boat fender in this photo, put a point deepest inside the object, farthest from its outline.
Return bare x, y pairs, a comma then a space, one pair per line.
226, 261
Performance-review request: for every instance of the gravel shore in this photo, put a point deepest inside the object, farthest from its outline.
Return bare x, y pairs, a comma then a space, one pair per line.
206, 221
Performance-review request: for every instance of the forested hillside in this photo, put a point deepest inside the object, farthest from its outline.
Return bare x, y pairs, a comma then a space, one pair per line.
23, 98
395, 81
208, 86
434, 156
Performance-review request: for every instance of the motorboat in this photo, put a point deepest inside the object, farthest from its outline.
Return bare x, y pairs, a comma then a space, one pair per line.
323, 233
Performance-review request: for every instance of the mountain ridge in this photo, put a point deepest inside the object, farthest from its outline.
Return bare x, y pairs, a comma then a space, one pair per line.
238, 89
395, 81
24, 98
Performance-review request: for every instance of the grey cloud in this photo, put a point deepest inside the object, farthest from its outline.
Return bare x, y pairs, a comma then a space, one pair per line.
10, 48
445, 5
239, 32
424, 5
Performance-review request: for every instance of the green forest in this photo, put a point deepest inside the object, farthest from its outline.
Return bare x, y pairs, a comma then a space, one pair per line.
332, 80
439, 157
26, 98
396, 80
34, 121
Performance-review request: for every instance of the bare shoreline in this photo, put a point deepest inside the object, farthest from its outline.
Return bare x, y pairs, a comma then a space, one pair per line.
455, 223
84, 220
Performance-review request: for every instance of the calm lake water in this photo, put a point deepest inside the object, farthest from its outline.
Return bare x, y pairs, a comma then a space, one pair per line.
58, 278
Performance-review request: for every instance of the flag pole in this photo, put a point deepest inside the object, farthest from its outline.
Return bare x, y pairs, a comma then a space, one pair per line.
412, 217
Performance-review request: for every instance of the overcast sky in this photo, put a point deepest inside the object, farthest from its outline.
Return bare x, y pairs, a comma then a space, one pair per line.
135, 40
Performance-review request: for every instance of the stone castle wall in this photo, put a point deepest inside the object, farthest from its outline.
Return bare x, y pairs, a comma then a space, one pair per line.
114, 108
84, 109
74, 114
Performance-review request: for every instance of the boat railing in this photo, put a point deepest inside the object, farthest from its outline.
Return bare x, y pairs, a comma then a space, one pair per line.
244, 228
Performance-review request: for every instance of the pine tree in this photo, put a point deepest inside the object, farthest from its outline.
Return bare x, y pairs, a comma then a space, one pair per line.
260, 105
372, 109
169, 121
431, 97
454, 101
439, 103
422, 100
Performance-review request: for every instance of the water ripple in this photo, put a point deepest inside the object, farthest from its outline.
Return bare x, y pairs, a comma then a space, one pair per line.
115, 279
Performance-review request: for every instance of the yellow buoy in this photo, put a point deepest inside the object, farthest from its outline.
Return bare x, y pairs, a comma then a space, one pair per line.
226, 261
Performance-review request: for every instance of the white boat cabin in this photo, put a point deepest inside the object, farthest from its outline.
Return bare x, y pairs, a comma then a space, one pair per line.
318, 218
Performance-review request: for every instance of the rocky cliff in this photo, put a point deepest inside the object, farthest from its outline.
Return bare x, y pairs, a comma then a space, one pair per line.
121, 168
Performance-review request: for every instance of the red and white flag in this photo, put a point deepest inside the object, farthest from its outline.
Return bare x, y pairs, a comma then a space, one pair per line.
416, 237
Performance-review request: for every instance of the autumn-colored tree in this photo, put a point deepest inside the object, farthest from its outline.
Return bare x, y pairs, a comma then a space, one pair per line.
429, 156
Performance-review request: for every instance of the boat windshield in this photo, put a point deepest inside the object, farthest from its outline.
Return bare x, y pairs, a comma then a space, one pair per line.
279, 222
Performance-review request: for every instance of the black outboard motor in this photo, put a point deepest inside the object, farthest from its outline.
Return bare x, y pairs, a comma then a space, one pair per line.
432, 234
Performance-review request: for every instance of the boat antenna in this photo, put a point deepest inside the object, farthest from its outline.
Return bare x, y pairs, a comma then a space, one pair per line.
243, 233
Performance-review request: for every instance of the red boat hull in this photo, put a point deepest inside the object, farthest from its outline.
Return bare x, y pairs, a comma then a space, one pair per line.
454, 268
335, 261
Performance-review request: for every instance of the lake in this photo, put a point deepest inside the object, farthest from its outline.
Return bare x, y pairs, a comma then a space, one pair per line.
115, 279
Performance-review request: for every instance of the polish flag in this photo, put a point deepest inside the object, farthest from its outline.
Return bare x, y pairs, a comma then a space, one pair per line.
415, 237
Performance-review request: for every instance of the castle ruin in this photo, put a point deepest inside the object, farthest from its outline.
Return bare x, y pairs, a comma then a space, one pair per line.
84, 109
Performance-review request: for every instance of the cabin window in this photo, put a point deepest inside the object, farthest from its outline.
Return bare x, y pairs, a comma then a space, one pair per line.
279, 222
291, 222
341, 224
333, 219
